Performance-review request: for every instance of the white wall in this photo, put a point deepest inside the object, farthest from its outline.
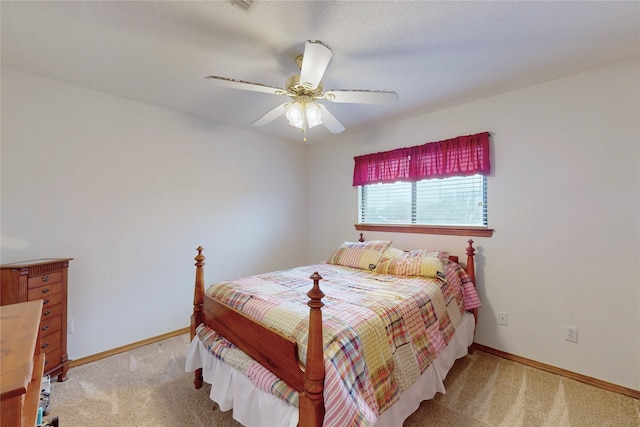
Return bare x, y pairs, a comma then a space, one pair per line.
129, 191
564, 200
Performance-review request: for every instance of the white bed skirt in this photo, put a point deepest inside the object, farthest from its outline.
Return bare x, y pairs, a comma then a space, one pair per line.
253, 407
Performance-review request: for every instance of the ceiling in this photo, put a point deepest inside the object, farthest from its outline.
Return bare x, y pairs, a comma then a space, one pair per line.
433, 54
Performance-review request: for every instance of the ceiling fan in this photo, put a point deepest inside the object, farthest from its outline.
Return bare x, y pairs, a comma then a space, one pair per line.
305, 88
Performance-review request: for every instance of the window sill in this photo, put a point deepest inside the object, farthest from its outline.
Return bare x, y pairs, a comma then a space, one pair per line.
424, 229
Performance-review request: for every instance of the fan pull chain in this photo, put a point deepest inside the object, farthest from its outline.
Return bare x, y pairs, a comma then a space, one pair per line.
304, 133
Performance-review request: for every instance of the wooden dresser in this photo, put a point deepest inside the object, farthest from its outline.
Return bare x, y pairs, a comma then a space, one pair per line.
45, 280
21, 365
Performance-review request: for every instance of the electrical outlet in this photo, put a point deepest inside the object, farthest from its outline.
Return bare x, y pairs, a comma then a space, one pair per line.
503, 318
70, 325
571, 333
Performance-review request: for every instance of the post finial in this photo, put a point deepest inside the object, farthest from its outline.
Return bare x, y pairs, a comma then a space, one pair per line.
315, 294
199, 258
470, 250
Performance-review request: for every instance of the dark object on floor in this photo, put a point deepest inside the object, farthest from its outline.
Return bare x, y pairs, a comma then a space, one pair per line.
53, 422
45, 394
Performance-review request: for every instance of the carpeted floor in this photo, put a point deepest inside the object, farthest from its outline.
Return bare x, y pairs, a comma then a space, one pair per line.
148, 387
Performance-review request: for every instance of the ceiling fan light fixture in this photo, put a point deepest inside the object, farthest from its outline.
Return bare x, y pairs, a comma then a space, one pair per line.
314, 116
295, 115
304, 114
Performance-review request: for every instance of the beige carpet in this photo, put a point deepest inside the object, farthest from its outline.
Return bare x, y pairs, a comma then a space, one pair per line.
148, 387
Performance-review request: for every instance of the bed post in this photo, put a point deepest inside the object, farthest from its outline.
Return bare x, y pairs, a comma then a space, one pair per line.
471, 271
198, 299
311, 410
471, 268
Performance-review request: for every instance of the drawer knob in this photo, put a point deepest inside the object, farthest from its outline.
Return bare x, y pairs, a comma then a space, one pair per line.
45, 290
44, 328
45, 278
46, 313
45, 345
45, 301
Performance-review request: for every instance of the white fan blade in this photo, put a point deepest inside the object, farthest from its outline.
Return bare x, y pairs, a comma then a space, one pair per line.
269, 116
315, 60
240, 84
361, 96
330, 121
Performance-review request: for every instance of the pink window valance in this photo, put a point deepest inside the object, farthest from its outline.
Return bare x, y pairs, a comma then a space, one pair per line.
461, 156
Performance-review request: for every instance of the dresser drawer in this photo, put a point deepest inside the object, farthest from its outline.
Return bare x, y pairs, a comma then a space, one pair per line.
44, 279
50, 325
51, 311
52, 358
50, 342
44, 291
51, 299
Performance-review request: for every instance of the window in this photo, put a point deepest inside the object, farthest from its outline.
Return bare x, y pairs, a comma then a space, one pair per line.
459, 201
438, 187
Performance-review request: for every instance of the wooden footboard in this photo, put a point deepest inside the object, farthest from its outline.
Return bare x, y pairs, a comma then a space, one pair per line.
274, 350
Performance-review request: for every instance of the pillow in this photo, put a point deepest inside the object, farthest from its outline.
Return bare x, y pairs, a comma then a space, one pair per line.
443, 255
363, 255
393, 253
413, 263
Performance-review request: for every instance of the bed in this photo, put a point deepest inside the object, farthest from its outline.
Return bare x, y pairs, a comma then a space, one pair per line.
394, 323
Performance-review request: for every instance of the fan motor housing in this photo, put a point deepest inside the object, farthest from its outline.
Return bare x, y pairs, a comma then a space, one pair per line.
293, 85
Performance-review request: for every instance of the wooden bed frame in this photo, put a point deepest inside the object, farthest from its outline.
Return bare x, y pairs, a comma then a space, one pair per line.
274, 350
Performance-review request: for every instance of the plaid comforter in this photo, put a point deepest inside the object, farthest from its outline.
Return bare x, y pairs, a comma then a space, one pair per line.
380, 332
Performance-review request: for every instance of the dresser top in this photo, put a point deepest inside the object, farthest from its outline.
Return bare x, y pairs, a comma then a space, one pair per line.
31, 263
